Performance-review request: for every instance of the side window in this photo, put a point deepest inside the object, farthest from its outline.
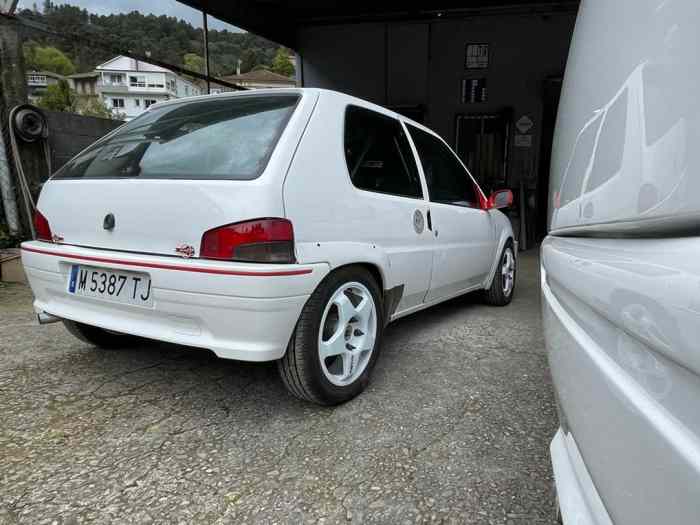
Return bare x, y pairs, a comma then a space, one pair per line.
611, 144
378, 154
580, 159
448, 182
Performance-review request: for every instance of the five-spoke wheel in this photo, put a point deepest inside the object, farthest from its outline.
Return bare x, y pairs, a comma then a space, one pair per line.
349, 329
501, 291
337, 339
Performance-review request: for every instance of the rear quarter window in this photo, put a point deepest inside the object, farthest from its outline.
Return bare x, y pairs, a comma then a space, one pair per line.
378, 154
219, 138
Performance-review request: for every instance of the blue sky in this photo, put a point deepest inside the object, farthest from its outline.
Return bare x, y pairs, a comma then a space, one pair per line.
157, 7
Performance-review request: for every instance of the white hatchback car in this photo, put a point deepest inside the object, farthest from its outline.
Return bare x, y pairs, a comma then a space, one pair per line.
287, 225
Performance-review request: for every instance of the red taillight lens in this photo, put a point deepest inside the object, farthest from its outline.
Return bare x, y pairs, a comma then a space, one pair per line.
41, 225
260, 240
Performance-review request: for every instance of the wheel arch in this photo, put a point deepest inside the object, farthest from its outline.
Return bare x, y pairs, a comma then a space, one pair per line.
505, 238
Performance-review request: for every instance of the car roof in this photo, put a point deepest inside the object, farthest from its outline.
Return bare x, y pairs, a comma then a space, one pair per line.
329, 94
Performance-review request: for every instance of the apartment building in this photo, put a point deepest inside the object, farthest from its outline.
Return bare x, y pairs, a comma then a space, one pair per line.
129, 86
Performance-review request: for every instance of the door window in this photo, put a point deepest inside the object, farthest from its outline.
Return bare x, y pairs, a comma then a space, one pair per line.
579, 162
611, 144
378, 154
448, 182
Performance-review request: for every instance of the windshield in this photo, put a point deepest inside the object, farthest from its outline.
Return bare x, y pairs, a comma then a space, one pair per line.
219, 138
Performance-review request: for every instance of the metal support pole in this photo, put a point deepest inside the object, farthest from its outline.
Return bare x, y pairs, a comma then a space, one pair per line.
206, 49
9, 202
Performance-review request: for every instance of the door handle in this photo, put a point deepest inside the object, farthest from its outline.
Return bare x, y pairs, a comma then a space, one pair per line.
430, 221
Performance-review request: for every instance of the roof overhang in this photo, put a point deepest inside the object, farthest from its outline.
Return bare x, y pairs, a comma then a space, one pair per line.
279, 20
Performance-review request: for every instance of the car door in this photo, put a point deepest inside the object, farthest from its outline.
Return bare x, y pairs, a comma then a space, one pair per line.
391, 210
464, 236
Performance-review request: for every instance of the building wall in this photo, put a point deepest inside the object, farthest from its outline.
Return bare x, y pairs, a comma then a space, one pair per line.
406, 64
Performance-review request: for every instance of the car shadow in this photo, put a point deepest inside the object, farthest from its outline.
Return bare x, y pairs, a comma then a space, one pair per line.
154, 369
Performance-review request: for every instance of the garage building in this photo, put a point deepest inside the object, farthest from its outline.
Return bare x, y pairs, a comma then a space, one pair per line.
486, 75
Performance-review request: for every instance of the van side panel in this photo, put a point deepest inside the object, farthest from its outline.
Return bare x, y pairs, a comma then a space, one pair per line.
625, 156
622, 325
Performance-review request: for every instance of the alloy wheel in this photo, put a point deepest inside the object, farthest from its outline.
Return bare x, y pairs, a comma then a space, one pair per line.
347, 334
508, 271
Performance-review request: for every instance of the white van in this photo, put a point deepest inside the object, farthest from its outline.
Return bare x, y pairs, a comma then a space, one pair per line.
620, 273
287, 225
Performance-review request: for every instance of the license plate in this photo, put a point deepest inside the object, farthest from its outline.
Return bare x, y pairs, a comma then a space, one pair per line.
110, 285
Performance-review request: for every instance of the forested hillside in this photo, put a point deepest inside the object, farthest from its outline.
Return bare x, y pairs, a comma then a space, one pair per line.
164, 38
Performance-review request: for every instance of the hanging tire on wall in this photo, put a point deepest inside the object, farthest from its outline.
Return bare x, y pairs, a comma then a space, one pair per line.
336, 342
500, 293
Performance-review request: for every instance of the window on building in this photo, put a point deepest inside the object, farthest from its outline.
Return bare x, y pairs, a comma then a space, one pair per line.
149, 102
137, 102
155, 85
117, 102
36, 79
378, 154
448, 181
137, 81
115, 78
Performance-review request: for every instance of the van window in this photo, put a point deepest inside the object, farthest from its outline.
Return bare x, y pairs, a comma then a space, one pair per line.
580, 160
378, 154
223, 138
611, 144
448, 181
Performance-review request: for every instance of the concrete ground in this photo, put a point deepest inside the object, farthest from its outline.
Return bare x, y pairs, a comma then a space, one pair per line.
454, 428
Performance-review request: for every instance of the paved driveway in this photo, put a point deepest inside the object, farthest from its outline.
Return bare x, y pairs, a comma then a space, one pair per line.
453, 429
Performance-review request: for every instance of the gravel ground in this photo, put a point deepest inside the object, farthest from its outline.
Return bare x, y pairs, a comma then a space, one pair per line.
454, 428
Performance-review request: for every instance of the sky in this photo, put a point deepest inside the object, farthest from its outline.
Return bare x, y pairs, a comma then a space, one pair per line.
157, 7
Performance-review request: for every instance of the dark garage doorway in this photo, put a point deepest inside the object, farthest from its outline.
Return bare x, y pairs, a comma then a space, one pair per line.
482, 144
550, 103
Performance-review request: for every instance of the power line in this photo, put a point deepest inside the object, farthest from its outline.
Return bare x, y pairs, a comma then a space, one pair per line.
116, 50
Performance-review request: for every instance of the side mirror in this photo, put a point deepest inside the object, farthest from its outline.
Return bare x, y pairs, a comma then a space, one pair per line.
500, 199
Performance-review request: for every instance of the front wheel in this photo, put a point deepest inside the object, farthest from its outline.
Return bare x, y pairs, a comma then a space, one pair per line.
336, 341
502, 286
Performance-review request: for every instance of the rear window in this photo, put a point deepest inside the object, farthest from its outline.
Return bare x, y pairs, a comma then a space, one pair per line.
221, 138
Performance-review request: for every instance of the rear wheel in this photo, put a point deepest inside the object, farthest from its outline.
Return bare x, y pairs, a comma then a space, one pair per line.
503, 284
336, 341
100, 337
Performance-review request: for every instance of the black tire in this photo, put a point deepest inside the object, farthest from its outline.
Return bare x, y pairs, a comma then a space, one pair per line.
496, 295
100, 337
300, 368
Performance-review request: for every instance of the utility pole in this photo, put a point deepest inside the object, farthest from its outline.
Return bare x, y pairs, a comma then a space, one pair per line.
13, 91
206, 49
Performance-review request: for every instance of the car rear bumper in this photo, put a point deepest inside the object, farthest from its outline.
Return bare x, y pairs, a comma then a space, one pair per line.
239, 311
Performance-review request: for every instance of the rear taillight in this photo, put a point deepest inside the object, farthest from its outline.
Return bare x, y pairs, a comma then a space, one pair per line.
260, 240
41, 225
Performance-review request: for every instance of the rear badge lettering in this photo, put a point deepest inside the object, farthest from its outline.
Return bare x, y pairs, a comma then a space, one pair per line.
185, 250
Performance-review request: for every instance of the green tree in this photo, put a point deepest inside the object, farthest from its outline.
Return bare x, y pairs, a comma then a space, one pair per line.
58, 97
92, 106
193, 62
281, 63
48, 59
